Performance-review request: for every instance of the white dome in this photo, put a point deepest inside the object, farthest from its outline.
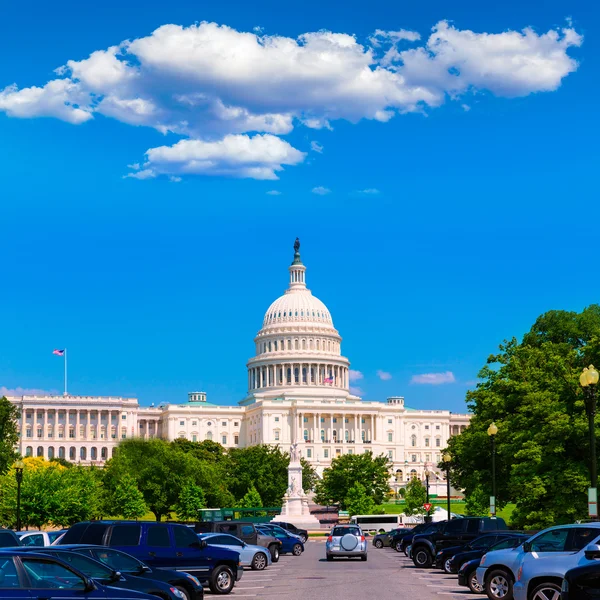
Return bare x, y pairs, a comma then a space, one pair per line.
297, 306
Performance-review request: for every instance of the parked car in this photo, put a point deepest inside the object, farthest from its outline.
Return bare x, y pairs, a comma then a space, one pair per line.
276, 528
456, 532
536, 568
163, 545
346, 541
445, 559
9, 539
289, 543
467, 562
53, 579
302, 533
382, 540
255, 557
245, 531
39, 538
401, 541
106, 576
187, 584
581, 583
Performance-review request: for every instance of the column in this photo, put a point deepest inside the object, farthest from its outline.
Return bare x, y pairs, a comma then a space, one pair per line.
77, 423
343, 427
356, 435
45, 430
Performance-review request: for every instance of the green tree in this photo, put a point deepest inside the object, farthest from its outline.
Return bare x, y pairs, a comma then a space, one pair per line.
358, 502
9, 434
191, 502
372, 472
531, 390
77, 496
309, 475
415, 496
477, 503
128, 501
251, 499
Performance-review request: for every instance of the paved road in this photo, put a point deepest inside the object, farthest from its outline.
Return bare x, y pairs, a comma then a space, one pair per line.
387, 575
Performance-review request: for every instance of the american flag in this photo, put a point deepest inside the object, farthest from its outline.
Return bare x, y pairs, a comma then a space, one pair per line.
328, 380
58, 352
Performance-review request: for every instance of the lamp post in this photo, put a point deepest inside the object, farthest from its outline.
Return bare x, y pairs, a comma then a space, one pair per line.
427, 474
492, 431
19, 466
588, 380
447, 458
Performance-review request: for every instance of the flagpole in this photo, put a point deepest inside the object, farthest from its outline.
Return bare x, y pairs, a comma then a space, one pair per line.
65, 372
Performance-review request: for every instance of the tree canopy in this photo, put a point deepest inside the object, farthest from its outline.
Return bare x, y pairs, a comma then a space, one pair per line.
9, 434
531, 390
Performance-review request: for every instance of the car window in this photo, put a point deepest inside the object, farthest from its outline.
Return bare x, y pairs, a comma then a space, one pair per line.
8, 574
185, 537
118, 561
233, 541
89, 566
158, 536
483, 542
225, 528
455, 526
473, 525
54, 535
337, 531
7, 540
218, 540
489, 525
51, 575
247, 530
92, 535
581, 537
551, 541
511, 542
35, 539
125, 535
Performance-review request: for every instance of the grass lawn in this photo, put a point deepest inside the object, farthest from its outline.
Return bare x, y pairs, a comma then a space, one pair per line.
457, 507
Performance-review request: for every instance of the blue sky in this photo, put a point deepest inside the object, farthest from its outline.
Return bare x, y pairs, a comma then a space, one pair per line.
485, 172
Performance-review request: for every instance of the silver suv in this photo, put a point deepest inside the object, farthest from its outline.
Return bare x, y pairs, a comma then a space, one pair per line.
346, 540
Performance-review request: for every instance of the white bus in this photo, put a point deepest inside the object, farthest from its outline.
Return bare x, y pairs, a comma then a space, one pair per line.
377, 523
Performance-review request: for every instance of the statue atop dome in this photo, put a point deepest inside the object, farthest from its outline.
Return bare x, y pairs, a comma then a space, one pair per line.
297, 246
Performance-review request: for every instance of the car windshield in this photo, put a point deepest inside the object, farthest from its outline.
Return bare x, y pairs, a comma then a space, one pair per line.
119, 561
340, 531
88, 566
511, 542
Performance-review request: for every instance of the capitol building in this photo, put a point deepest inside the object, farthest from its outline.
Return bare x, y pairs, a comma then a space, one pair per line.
298, 391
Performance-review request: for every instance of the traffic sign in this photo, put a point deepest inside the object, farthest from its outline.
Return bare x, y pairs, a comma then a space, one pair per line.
427, 506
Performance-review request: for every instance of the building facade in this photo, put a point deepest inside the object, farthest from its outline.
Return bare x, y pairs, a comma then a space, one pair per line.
298, 391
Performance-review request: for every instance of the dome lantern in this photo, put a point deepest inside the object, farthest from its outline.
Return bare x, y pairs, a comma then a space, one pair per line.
297, 270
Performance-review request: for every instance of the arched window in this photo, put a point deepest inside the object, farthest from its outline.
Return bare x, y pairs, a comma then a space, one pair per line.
399, 475
94, 453
29, 451
289, 376
296, 374
318, 345
303, 374
413, 473
363, 435
335, 435
295, 344
50, 452
306, 435
427, 442
39, 431
40, 451
289, 344
413, 440
269, 346
311, 344
61, 452
303, 344
72, 453
104, 453
82, 453
209, 435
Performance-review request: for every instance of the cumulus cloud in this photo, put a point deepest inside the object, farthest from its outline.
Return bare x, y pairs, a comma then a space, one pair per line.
274, 193
19, 391
357, 391
174, 179
321, 191
369, 191
355, 375
433, 378
209, 83
384, 375
316, 147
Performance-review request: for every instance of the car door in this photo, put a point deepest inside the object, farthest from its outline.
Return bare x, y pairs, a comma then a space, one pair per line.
161, 549
189, 556
47, 579
452, 534
546, 554
12, 587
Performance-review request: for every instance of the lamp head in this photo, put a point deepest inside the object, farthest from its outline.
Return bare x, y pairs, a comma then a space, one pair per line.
446, 458
19, 465
492, 429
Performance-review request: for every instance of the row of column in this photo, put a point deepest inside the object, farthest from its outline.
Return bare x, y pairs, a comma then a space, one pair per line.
354, 430
67, 423
295, 374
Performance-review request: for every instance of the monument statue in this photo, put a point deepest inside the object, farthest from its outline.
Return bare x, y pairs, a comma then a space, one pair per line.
296, 245
294, 453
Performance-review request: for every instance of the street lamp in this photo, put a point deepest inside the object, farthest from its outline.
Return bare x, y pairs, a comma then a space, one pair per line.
19, 466
492, 431
427, 474
588, 380
447, 459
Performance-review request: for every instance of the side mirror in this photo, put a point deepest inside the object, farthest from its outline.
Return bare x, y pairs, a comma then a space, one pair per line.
526, 546
90, 586
592, 552
116, 575
202, 544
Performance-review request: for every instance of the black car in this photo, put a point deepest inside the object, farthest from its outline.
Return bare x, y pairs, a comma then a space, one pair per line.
106, 575
9, 539
402, 540
303, 533
382, 540
126, 564
450, 559
467, 571
582, 583
456, 532
22, 573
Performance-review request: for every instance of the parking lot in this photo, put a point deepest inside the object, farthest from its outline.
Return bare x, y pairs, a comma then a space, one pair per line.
387, 575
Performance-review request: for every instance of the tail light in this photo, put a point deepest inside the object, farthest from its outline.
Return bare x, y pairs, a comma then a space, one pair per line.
330, 539
362, 538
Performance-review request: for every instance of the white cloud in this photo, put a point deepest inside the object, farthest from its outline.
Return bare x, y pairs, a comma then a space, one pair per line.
19, 391
357, 391
143, 174
321, 191
316, 147
355, 375
384, 375
369, 191
465, 107
274, 193
433, 378
207, 82
134, 166
174, 178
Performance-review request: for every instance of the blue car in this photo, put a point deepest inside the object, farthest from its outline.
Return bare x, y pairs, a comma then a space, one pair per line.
26, 575
289, 543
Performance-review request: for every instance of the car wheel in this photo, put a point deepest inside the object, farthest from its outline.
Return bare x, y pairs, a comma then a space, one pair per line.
259, 562
297, 550
186, 594
473, 585
421, 558
222, 580
546, 591
304, 539
447, 568
378, 544
329, 557
274, 550
499, 585
398, 547
363, 558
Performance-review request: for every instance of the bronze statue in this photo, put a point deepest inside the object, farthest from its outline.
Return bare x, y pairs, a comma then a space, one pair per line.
296, 245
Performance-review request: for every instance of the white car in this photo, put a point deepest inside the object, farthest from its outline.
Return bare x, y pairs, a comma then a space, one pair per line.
255, 557
39, 538
348, 541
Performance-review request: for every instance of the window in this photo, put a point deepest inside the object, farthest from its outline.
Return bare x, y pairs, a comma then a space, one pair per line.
426, 426
236, 424
390, 437
181, 423
326, 453
413, 440
554, 540
309, 453
389, 421
125, 535
209, 435
9, 578
276, 435
390, 454
582, 536
306, 435
350, 451
158, 536
346, 420
185, 537
194, 422
335, 419
224, 440
223, 423
236, 439
123, 417
456, 525
338, 451
427, 442
35, 539
438, 442
194, 438
437, 427
414, 458
276, 420
42, 572
427, 457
